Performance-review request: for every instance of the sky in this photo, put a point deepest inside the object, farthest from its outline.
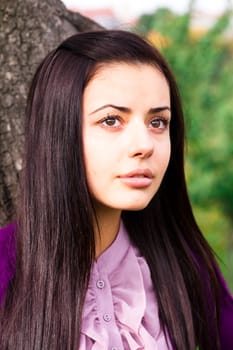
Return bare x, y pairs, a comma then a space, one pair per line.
134, 8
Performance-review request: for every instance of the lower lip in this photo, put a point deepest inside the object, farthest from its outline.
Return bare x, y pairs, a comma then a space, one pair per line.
136, 182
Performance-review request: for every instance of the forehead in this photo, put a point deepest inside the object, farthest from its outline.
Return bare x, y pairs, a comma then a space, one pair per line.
116, 71
126, 84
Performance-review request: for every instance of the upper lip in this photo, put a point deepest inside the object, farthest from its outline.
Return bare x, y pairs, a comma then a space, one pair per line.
139, 172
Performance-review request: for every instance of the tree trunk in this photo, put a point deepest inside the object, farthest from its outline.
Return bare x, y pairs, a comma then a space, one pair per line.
29, 29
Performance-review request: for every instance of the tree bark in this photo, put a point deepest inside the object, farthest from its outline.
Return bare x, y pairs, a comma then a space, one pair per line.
29, 29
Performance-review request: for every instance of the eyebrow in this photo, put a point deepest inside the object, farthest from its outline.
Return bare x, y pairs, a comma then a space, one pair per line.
128, 110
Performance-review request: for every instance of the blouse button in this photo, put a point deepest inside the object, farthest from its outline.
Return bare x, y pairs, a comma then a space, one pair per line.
107, 317
100, 284
114, 348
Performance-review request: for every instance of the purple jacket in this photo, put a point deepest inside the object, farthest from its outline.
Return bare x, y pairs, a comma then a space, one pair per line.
7, 271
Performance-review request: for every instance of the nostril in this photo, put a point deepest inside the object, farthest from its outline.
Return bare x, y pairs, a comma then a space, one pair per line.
143, 153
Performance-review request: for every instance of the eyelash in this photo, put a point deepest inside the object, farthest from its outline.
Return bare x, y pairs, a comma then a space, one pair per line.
110, 117
115, 118
163, 120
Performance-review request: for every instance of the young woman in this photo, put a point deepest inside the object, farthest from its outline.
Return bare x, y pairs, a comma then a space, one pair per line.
105, 252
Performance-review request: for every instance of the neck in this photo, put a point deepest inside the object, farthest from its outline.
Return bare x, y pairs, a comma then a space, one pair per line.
106, 228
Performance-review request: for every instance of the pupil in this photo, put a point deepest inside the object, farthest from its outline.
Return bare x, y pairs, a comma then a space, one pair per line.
155, 123
110, 121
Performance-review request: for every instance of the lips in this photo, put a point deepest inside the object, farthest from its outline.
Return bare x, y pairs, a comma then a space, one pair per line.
139, 178
138, 173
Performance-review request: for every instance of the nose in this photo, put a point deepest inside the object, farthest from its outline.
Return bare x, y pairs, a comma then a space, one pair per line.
140, 141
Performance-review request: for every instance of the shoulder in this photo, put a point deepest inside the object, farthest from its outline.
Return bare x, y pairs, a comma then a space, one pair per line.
6, 232
7, 255
226, 315
7, 240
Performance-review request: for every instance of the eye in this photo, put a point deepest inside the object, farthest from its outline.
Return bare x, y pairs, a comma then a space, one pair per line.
159, 123
111, 121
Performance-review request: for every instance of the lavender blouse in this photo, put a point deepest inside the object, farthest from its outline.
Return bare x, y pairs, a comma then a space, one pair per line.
120, 311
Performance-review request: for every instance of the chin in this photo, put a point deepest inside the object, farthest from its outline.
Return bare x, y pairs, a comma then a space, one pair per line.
136, 206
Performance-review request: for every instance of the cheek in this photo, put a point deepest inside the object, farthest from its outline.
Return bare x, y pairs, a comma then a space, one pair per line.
169, 153
165, 160
97, 163
166, 153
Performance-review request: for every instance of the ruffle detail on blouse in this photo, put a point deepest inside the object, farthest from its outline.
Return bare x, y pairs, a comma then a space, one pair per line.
135, 322
93, 335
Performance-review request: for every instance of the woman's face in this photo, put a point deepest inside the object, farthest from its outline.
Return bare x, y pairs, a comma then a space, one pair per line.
126, 115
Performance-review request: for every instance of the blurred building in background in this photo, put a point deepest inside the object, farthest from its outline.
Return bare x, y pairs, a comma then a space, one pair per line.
121, 17
105, 16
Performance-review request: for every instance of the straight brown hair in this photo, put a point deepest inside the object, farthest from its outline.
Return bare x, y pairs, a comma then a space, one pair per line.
55, 236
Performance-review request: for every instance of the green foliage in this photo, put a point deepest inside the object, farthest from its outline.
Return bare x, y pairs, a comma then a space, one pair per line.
203, 66
218, 234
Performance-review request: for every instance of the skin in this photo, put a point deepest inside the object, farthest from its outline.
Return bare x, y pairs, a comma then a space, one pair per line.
126, 115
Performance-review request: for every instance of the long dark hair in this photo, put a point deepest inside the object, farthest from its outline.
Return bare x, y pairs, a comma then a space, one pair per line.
55, 236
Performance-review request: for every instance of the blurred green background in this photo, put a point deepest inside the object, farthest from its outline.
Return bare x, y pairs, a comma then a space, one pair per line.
202, 60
